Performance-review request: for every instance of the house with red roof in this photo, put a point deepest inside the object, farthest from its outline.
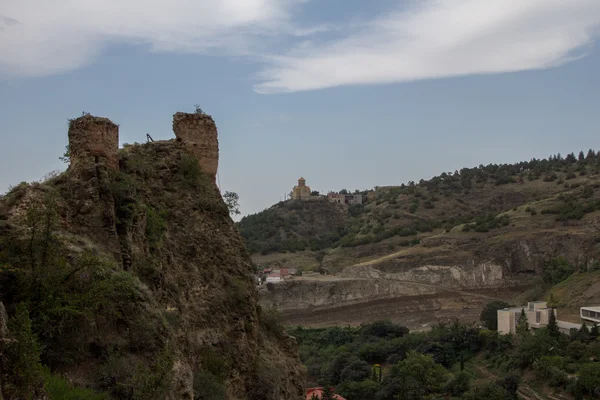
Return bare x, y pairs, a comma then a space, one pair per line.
318, 393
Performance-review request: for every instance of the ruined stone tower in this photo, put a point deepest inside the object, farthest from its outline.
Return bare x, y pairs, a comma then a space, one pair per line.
200, 133
93, 140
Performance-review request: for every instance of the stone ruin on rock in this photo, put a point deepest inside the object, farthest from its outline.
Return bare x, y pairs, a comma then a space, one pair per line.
95, 140
200, 133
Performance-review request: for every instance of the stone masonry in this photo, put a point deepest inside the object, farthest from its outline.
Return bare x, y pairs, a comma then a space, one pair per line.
93, 140
200, 133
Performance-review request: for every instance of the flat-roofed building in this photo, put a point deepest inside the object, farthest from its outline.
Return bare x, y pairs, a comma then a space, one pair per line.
537, 312
590, 314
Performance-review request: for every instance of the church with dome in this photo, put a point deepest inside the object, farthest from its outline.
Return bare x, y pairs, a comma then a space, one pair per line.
301, 191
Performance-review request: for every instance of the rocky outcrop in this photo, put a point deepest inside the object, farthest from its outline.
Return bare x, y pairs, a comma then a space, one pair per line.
158, 224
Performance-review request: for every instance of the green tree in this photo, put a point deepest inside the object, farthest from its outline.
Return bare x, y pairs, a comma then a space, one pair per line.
578, 394
232, 202
589, 376
24, 354
489, 314
488, 391
418, 375
459, 384
328, 393
594, 332
552, 325
365, 390
66, 157
584, 333
522, 325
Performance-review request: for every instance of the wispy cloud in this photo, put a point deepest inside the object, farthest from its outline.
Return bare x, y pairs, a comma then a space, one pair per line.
57, 36
422, 40
440, 39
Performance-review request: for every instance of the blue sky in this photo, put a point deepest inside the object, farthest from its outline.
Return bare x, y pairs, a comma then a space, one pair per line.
346, 95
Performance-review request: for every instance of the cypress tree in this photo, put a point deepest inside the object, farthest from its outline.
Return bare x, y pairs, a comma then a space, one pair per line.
552, 325
523, 325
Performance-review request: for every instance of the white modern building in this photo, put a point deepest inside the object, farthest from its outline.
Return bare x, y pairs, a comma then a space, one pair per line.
537, 312
590, 314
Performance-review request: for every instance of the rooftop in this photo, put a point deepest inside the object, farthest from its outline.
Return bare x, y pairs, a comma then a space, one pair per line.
567, 325
592, 308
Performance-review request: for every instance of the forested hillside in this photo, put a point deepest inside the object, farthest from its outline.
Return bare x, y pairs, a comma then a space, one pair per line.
479, 208
382, 361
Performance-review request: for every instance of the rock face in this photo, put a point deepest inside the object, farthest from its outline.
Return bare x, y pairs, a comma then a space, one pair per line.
158, 221
412, 295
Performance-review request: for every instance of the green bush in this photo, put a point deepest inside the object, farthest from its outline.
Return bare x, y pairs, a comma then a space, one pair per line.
59, 389
156, 226
23, 355
208, 387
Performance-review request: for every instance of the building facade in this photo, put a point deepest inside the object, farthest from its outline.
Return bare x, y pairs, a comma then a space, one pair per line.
348, 199
537, 312
538, 316
301, 191
590, 314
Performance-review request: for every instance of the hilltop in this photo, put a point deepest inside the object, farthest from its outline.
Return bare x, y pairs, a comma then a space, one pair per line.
494, 226
125, 277
550, 196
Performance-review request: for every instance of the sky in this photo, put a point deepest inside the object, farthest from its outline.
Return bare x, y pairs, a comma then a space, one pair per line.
346, 93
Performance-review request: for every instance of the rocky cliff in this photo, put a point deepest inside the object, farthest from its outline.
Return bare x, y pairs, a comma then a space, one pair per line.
130, 276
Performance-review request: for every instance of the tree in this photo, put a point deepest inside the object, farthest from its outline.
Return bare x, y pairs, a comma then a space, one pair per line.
589, 376
198, 110
584, 333
552, 325
590, 154
319, 256
416, 376
328, 393
365, 390
581, 156
489, 314
594, 332
511, 383
578, 394
523, 325
231, 200
24, 354
66, 157
356, 370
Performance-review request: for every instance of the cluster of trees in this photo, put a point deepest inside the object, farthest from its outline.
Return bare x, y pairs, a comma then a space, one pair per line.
487, 223
268, 232
287, 227
450, 361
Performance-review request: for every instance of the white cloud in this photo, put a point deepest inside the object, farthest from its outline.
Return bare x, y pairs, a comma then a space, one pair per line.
60, 35
439, 39
430, 39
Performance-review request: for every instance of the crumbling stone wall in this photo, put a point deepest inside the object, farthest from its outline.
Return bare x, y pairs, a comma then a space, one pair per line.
93, 140
200, 133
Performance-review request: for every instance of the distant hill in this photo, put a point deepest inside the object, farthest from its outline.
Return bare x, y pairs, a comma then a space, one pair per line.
478, 213
295, 226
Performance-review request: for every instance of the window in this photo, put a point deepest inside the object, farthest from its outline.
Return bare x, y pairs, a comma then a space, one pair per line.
585, 313
538, 317
531, 305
